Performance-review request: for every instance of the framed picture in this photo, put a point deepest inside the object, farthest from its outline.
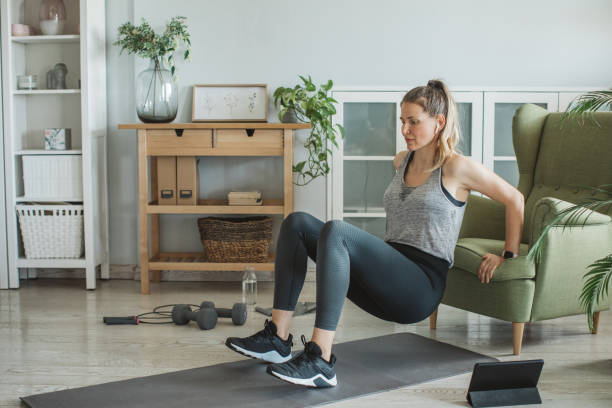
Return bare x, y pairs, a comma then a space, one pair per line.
230, 103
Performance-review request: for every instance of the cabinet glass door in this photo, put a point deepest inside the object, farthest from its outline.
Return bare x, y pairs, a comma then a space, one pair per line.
499, 109
469, 107
469, 112
363, 164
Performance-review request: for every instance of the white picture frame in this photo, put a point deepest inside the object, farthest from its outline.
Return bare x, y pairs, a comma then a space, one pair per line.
230, 103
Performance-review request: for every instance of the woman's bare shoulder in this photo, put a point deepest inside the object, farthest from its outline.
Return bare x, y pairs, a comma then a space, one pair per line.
457, 162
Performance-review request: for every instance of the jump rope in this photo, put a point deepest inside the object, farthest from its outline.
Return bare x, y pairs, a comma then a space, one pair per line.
147, 317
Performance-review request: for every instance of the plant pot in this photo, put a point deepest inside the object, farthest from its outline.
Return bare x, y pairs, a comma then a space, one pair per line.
290, 117
156, 94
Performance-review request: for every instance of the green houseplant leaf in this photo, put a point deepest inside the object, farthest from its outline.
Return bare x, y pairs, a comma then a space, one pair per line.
314, 106
144, 42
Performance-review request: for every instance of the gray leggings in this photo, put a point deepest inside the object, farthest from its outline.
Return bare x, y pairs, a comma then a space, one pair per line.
352, 263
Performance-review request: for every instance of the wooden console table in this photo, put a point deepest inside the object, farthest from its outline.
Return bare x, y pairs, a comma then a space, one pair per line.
204, 139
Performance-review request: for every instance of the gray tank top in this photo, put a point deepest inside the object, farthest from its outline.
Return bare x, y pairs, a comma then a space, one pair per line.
426, 217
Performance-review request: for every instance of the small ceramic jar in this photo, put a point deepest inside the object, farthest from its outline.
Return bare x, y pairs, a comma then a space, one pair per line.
27, 82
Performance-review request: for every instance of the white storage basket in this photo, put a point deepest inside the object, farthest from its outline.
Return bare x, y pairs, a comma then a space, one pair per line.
47, 177
51, 231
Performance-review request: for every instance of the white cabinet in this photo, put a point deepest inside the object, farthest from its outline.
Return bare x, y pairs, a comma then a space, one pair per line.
81, 107
469, 107
364, 163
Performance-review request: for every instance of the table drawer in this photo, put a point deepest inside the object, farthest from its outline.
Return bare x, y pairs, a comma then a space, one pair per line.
262, 142
171, 142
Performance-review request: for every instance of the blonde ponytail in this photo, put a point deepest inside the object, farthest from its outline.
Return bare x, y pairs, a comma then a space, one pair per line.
436, 99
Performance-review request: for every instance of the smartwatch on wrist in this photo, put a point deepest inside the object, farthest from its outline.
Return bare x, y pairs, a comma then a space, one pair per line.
508, 254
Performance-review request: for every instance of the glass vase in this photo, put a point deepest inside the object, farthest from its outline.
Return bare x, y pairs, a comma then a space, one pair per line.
156, 94
52, 16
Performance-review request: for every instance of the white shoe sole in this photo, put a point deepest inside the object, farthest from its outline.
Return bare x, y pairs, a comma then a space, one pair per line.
309, 382
269, 356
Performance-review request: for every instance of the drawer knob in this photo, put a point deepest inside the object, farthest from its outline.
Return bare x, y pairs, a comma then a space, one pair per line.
250, 132
179, 132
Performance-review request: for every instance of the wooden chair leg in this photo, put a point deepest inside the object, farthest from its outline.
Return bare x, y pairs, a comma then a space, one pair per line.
433, 318
517, 337
595, 322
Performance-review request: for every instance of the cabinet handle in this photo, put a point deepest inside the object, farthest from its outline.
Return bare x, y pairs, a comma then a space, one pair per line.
179, 132
250, 132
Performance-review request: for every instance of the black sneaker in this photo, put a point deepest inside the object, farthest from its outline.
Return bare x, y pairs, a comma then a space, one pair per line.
264, 345
307, 368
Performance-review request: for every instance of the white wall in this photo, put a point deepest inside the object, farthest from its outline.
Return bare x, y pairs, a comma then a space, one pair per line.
558, 43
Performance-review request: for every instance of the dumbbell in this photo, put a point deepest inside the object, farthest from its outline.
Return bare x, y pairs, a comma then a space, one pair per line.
207, 316
238, 313
182, 314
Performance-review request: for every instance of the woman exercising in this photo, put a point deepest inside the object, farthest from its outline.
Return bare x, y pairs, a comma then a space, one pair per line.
401, 278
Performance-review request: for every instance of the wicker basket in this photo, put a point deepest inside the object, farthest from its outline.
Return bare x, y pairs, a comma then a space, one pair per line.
51, 231
236, 239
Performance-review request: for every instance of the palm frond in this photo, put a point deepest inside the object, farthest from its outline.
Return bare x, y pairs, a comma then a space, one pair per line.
584, 105
596, 286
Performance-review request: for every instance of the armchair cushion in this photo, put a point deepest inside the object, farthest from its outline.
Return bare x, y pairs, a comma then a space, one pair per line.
469, 253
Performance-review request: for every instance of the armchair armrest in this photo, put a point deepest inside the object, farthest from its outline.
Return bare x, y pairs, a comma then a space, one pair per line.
483, 218
567, 251
547, 209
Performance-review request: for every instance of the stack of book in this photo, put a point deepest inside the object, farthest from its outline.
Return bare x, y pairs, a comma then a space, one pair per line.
244, 198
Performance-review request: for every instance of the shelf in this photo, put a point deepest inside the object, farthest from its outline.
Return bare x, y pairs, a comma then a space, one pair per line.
195, 261
51, 263
216, 125
46, 91
29, 152
47, 39
23, 199
218, 207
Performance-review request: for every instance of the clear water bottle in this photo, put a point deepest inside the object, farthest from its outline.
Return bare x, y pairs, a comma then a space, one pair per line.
249, 286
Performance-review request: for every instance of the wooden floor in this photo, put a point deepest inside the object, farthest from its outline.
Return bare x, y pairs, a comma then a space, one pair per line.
52, 338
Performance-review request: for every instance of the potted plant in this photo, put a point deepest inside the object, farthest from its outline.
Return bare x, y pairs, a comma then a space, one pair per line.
156, 90
311, 105
599, 273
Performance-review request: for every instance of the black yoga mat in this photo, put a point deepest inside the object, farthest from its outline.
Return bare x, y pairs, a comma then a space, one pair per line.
363, 367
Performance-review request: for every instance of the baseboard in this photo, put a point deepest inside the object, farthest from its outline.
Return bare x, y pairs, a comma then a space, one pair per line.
132, 272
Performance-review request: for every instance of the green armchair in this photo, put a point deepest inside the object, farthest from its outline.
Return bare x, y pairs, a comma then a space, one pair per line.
551, 159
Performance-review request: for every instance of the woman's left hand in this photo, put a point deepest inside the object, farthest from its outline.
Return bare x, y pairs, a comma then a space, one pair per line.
489, 263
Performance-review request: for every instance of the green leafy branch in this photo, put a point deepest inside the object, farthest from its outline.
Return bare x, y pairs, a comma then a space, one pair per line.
585, 105
314, 106
596, 286
144, 42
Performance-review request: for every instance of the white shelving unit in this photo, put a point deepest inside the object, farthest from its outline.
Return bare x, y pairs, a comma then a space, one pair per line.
3, 254
28, 112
